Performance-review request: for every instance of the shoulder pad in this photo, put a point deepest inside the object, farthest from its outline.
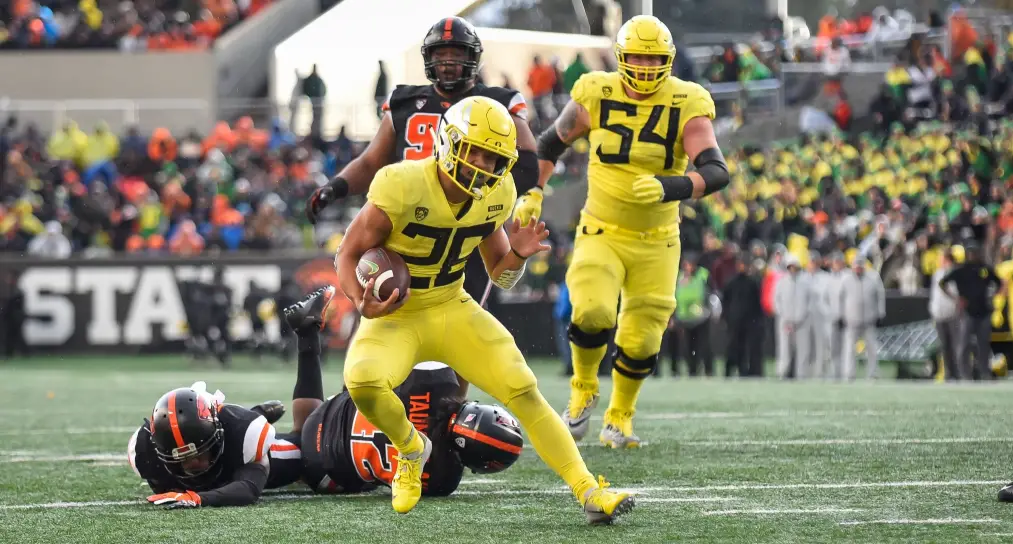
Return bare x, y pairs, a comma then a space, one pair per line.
402, 93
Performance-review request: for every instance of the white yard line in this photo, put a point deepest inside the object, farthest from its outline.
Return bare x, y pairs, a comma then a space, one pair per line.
850, 485
76, 431
776, 512
686, 499
845, 441
943, 521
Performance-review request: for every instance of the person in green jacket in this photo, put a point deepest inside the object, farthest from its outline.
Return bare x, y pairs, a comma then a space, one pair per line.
573, 72
692, 319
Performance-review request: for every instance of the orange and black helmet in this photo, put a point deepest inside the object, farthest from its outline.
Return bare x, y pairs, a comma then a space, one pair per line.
452, 32
486, 438
185, 426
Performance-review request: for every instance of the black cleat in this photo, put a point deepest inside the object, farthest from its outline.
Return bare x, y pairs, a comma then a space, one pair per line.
309, 312
272, 410
1006, 493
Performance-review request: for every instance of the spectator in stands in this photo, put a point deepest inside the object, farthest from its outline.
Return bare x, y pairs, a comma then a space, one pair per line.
99, 153
836, 63
315, 90
945, 314
791, 306
863, 308
743, 315
729, 65
186, 242
541, 80
573, 72
51, 244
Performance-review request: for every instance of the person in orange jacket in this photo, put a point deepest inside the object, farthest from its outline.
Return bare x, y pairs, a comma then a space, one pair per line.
162, 146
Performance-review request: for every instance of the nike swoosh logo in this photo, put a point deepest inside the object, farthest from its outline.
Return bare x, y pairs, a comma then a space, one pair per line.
491, 216
671, 244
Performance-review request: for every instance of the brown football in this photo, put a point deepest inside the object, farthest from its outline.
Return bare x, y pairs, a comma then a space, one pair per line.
388, 268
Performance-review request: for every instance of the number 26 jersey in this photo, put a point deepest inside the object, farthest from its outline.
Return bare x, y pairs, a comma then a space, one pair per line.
631, 137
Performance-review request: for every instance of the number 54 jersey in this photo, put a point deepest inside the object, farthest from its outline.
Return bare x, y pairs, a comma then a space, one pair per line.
632, 137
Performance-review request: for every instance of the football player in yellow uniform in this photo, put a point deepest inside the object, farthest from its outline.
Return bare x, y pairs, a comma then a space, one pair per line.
435, 212
644, 126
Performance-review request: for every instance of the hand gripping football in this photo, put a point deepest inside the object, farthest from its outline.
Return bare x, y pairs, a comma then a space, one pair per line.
388, 268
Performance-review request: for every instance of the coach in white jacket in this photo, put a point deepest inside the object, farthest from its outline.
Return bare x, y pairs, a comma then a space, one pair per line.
834, 320
863, 306
791, 305
818, 282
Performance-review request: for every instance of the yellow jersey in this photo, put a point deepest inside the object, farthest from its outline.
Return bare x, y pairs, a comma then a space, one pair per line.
434, 237
632, 137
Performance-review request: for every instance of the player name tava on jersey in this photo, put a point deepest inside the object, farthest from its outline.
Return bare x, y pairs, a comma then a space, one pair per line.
416, 111
359, 457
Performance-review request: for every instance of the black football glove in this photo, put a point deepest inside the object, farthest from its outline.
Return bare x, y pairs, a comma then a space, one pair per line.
324, 196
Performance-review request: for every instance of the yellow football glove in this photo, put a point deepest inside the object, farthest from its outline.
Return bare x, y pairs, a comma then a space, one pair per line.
529, 206
648, 190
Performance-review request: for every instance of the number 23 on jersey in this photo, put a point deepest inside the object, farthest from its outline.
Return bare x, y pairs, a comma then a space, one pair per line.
621, 118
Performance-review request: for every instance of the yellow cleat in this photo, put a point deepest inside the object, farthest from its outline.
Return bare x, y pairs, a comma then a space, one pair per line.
618, 431
602, 506
583, 399
406, 487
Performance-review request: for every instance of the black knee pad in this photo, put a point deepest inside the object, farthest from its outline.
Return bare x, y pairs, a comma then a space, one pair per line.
586, 340
634, 369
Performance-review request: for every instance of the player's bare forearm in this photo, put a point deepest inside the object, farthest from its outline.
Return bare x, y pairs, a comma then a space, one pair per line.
369, 229
525, 138
701, 147
573, 123
360, 172
493, 250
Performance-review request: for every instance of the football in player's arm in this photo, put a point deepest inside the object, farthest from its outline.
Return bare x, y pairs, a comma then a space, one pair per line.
451, 52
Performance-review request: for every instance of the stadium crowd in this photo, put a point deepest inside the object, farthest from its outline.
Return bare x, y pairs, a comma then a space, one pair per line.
128, 26
922, 172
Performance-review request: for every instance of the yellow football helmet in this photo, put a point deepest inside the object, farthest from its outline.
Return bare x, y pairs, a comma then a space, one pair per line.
476, 122
644, 35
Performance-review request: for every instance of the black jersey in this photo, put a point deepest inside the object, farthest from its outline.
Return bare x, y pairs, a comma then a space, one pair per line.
249, 440
348, 454
416, 111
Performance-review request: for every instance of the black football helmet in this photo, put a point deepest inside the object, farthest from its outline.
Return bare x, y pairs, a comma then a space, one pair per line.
184, 427
486, 438
452, 32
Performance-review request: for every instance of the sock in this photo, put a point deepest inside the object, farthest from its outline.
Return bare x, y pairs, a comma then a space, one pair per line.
552, 441
625, 391
309, 382
586, 361
384, 409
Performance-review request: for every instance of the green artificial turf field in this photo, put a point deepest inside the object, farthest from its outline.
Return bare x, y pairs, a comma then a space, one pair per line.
727, 461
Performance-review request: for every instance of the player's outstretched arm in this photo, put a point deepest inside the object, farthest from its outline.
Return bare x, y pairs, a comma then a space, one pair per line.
354, 178
572, 123
525, 171
711, 173
505, 252
369, 229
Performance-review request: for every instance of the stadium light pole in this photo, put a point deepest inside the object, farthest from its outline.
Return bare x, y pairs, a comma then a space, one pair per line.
647, 7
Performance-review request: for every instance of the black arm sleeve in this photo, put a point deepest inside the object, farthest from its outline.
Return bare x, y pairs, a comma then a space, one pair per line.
947, 278
550, 145
710, 164
244, 489
525, 171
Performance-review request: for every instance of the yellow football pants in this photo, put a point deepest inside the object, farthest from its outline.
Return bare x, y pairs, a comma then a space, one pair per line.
470, 340
642, 267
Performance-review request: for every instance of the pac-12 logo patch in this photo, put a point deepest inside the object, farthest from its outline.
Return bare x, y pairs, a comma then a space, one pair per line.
607, 91
419, 103
421, 213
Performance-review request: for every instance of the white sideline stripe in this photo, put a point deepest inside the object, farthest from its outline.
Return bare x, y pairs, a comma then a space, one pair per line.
854, 485
75, 431
761, 511
943, 521
271, 497
686, 499
845, 441
102, 457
